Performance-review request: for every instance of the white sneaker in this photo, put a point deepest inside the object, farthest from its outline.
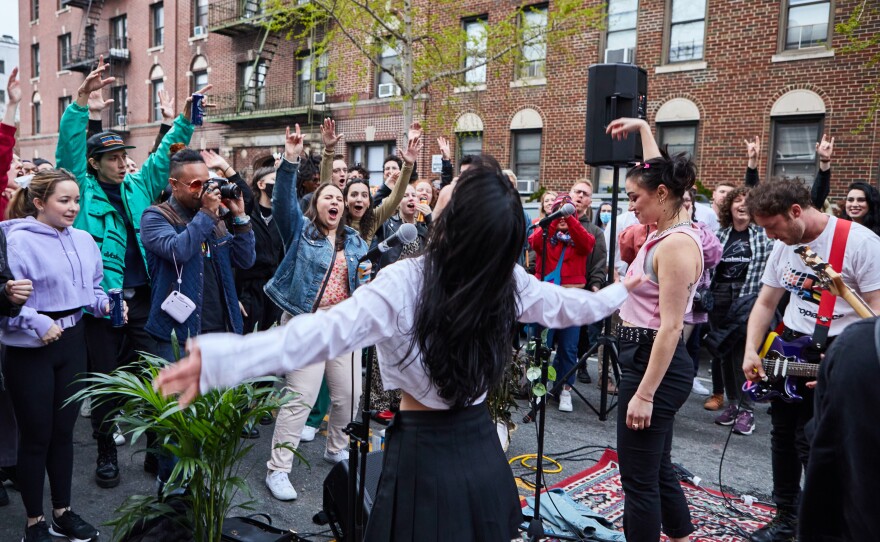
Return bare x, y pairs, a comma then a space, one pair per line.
85, 409
308, 434
699, 388
279, 485
335, 457
118, 437
565, 401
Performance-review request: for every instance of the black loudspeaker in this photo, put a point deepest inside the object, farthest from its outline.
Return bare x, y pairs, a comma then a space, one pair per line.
614, 91
336, 494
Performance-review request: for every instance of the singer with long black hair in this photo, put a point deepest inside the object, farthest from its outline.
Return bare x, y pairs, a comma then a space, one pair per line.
443, 324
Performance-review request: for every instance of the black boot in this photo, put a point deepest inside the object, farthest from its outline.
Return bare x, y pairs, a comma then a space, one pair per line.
782, 528
583, 375
107, 472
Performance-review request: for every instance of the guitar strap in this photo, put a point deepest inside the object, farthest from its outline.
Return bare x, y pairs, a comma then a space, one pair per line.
826, 302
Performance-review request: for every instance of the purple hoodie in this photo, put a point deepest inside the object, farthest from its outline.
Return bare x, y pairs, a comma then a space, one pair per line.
65, 268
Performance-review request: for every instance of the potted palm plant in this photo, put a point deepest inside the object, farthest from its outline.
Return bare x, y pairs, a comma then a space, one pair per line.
209, 473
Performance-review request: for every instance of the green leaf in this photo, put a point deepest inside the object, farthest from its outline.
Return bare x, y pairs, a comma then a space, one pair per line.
538, 390
551, 373
533, 373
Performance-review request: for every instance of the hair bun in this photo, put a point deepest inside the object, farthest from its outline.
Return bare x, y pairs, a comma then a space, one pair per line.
175, 148
684, 172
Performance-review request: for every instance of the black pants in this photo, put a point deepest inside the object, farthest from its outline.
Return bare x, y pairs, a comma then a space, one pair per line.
110, 348
733, 350
263, 313
653, 495
40, 380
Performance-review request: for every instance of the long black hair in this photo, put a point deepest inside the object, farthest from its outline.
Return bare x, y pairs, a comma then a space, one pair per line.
465, 316
872, 198
368, 220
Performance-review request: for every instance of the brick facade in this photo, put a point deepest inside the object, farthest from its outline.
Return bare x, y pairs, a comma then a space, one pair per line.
734, 88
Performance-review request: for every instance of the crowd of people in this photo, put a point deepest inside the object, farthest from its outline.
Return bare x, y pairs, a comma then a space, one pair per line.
257, 265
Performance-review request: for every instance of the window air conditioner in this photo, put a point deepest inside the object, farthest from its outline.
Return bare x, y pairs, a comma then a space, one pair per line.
623, 56
199, 31
319, 98
386, 90
525, 186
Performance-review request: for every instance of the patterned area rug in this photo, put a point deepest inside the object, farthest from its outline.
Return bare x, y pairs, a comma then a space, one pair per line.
599, 488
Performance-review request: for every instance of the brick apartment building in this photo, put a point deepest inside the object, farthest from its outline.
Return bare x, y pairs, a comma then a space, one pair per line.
719, 71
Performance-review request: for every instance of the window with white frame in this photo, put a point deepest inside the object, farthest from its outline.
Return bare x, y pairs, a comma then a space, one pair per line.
793, 148
620, 40
526, 155
533, 55
389, 59
157, 24
475, 50
806, 23
678, 137
687, 30
370, 156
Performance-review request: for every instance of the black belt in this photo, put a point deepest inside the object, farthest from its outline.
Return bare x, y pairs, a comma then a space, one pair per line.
640, 335
57, 315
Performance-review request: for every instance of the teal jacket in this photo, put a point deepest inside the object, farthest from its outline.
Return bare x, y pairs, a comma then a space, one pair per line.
139, 190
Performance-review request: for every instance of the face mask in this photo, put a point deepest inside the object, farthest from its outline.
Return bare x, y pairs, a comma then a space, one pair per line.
605, 217
268, 190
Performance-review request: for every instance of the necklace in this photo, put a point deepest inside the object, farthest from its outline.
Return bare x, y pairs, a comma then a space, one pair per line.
685, 223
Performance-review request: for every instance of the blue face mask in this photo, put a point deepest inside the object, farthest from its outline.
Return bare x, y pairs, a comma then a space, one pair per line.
605, 217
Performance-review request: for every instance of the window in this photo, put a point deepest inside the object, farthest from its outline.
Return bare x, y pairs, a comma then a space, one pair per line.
35, 10
687, 30
679, 137
252, 85
63, 103
63, 51
157, 25
390, 60
199, 70
36, 120
526, 160
119, 32
371, 156
304, 80
794, 147
157, 85
2, 96
35, 60
806, 24
475, 50
470, 143
533, 54
620, 41
200, 16
2, 67
120, 105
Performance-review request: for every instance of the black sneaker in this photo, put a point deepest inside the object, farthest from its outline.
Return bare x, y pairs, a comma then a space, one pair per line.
584, 376
72, 527
782, 528
250, 432
107, 471
38, 532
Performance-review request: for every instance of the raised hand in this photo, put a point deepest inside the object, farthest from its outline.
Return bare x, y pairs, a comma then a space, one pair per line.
182, 377
328, 134
166, 104
825, 148
97, 103
415, 130
443, 143
413, 148
622, 127
214, 161
13, 88
187, 105
94, 81
753, 150
293, 144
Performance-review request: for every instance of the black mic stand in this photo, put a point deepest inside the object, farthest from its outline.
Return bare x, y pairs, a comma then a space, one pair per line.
358, 448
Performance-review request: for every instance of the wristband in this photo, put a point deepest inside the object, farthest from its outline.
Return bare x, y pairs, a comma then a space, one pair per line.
241, 220
643, 399
825, 161
228, 167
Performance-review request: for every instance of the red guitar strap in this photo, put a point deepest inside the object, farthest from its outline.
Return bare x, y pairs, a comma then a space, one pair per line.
827, 301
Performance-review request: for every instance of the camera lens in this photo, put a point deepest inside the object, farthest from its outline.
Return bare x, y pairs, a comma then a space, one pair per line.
230, 191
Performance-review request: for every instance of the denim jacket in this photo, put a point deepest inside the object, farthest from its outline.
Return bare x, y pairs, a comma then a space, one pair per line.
164, 242
309, 255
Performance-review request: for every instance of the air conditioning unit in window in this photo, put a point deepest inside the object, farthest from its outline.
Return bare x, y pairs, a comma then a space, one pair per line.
199, 31
623, 56
387, 90
525, 186
319, 98
120, 120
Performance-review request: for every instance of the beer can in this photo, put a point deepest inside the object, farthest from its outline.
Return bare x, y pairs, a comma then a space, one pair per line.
421, 217
117, 318
197, 118
363, 273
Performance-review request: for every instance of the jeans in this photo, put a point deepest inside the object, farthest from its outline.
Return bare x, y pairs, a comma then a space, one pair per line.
653, 493
566, 351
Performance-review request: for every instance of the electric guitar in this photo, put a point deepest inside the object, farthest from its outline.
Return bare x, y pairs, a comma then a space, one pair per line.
782, 359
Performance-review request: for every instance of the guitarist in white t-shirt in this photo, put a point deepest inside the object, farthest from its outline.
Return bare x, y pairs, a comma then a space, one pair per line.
784, 210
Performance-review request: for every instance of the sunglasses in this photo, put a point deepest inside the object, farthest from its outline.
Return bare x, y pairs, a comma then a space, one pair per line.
194, 187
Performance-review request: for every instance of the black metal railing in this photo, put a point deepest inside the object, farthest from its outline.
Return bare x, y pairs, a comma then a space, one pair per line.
228, 12
255, 101
86, 53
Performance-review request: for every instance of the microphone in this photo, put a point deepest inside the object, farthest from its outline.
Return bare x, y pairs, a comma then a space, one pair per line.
564, 211
407, 233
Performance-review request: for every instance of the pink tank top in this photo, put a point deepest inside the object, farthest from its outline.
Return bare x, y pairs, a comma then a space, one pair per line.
642, 307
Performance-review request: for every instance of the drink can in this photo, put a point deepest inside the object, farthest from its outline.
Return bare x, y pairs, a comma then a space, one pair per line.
117, 318
363, 273
421, 217
198, 109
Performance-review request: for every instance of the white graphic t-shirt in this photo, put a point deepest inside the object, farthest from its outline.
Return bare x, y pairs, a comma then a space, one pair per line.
861, 272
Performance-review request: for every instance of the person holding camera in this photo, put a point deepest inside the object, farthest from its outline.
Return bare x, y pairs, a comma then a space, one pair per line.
191, 254
113, 201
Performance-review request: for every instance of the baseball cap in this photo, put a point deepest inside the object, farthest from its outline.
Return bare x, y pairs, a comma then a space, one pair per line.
105, 142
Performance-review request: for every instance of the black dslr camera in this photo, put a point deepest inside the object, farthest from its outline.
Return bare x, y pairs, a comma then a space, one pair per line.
228, 189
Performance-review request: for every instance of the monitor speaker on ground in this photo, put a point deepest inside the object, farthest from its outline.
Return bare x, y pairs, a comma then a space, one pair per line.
336, 493
614, 91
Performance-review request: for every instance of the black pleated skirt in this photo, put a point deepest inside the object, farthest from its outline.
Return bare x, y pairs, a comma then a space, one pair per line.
444, 477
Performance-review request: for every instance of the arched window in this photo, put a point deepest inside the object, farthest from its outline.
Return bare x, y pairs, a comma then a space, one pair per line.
157, 85
797, 119
199, 70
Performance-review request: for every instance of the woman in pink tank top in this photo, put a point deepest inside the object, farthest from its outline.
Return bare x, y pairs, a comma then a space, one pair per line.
656, 371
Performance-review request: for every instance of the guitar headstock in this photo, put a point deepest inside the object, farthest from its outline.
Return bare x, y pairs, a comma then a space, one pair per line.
830, 279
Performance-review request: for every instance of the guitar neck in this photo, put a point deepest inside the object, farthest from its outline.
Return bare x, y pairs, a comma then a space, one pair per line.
857, 303
807, 370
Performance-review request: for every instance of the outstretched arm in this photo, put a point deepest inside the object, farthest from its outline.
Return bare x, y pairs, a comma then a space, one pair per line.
822, 183
622, 127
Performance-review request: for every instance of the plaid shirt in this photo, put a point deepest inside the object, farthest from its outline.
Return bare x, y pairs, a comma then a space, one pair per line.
760, 246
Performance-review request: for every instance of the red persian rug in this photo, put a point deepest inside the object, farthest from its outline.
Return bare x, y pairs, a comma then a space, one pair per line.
716, 519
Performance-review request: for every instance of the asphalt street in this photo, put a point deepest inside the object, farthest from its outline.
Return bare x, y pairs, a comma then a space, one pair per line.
698, 445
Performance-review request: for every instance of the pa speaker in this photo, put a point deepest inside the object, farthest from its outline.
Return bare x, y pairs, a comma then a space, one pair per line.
614, 91
336, 494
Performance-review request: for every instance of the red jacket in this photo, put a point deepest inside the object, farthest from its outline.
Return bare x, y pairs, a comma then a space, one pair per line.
575, 262
7, 142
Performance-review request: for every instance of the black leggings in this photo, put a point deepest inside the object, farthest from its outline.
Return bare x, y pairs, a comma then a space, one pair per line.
653, 493
40, 380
